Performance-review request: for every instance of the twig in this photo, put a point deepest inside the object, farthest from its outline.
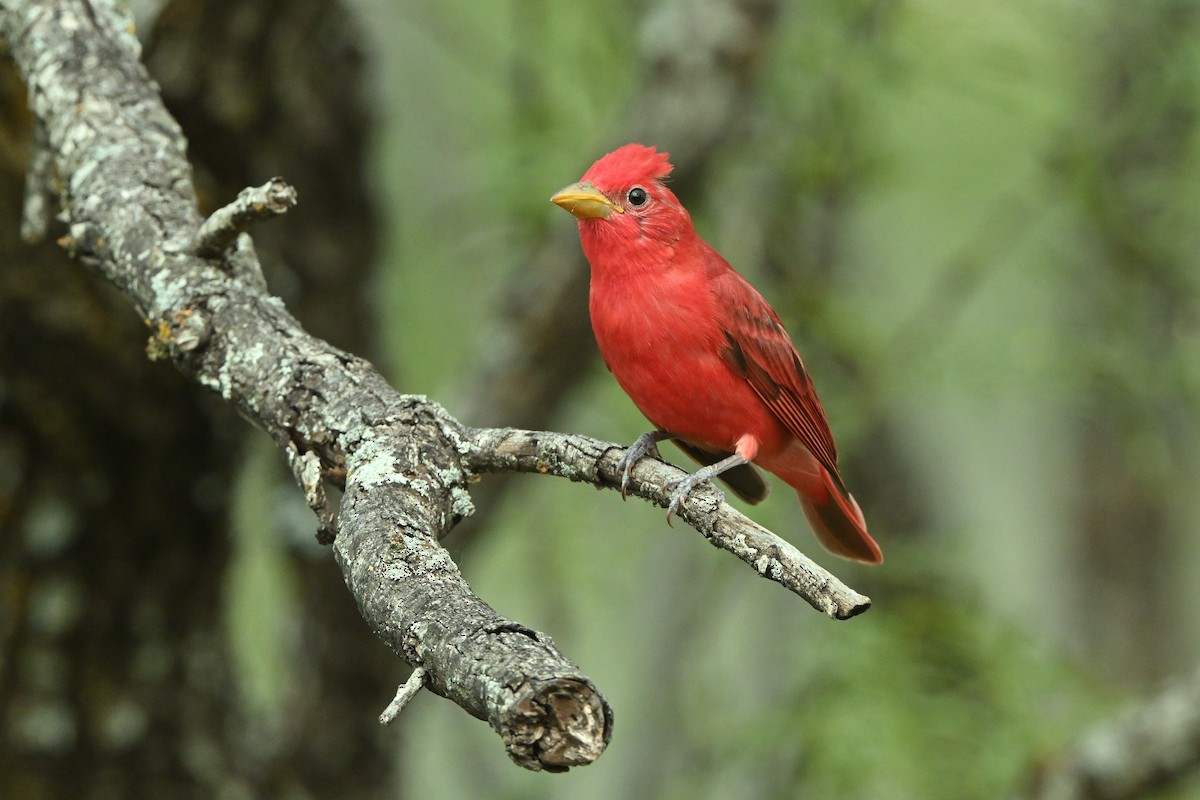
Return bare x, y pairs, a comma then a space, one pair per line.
306, 469
217, 234
407, 691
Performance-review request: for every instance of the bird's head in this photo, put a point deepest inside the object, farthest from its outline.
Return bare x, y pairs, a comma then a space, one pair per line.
622, 197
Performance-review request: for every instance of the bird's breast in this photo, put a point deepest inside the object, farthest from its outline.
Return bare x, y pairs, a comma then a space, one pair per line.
660, 336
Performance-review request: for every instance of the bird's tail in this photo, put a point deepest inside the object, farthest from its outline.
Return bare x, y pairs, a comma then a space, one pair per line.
838, 522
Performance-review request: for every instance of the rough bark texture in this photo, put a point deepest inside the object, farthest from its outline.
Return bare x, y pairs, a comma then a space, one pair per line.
128, 199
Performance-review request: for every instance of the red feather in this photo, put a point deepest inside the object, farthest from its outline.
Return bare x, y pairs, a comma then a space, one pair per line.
697, 348
632, 159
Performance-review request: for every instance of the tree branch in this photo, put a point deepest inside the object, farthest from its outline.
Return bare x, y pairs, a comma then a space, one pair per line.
1145, 749
580, 458
130, 207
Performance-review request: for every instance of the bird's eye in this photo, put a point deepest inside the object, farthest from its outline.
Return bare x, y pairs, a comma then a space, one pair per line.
637, 197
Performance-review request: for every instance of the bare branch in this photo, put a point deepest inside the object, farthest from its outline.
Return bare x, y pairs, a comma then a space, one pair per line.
404, 695
583, 459
257, 203
1147, 748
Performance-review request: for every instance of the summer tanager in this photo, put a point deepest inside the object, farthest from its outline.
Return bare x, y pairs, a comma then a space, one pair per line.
700, 352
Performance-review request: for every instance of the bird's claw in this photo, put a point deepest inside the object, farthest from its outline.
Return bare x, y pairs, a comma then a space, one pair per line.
677, 490
646, 445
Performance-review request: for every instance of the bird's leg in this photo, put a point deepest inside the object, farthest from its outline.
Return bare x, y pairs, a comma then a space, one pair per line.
646, 445
679, 489
744, 453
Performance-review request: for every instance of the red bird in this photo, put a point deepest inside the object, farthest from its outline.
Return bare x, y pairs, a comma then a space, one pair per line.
700, 352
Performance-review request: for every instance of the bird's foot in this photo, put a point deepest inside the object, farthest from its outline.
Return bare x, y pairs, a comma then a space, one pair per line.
646, 445
679, 489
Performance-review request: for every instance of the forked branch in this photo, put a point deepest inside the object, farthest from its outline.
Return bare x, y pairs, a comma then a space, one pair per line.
126, 191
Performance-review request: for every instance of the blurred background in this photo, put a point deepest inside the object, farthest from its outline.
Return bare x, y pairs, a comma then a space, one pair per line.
979, 223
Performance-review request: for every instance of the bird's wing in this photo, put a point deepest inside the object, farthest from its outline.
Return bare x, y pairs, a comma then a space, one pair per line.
759, 349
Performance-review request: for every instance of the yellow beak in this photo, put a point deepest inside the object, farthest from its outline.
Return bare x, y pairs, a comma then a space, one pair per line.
585, 201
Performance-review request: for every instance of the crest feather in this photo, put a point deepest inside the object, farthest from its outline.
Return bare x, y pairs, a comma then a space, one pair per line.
628, 165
